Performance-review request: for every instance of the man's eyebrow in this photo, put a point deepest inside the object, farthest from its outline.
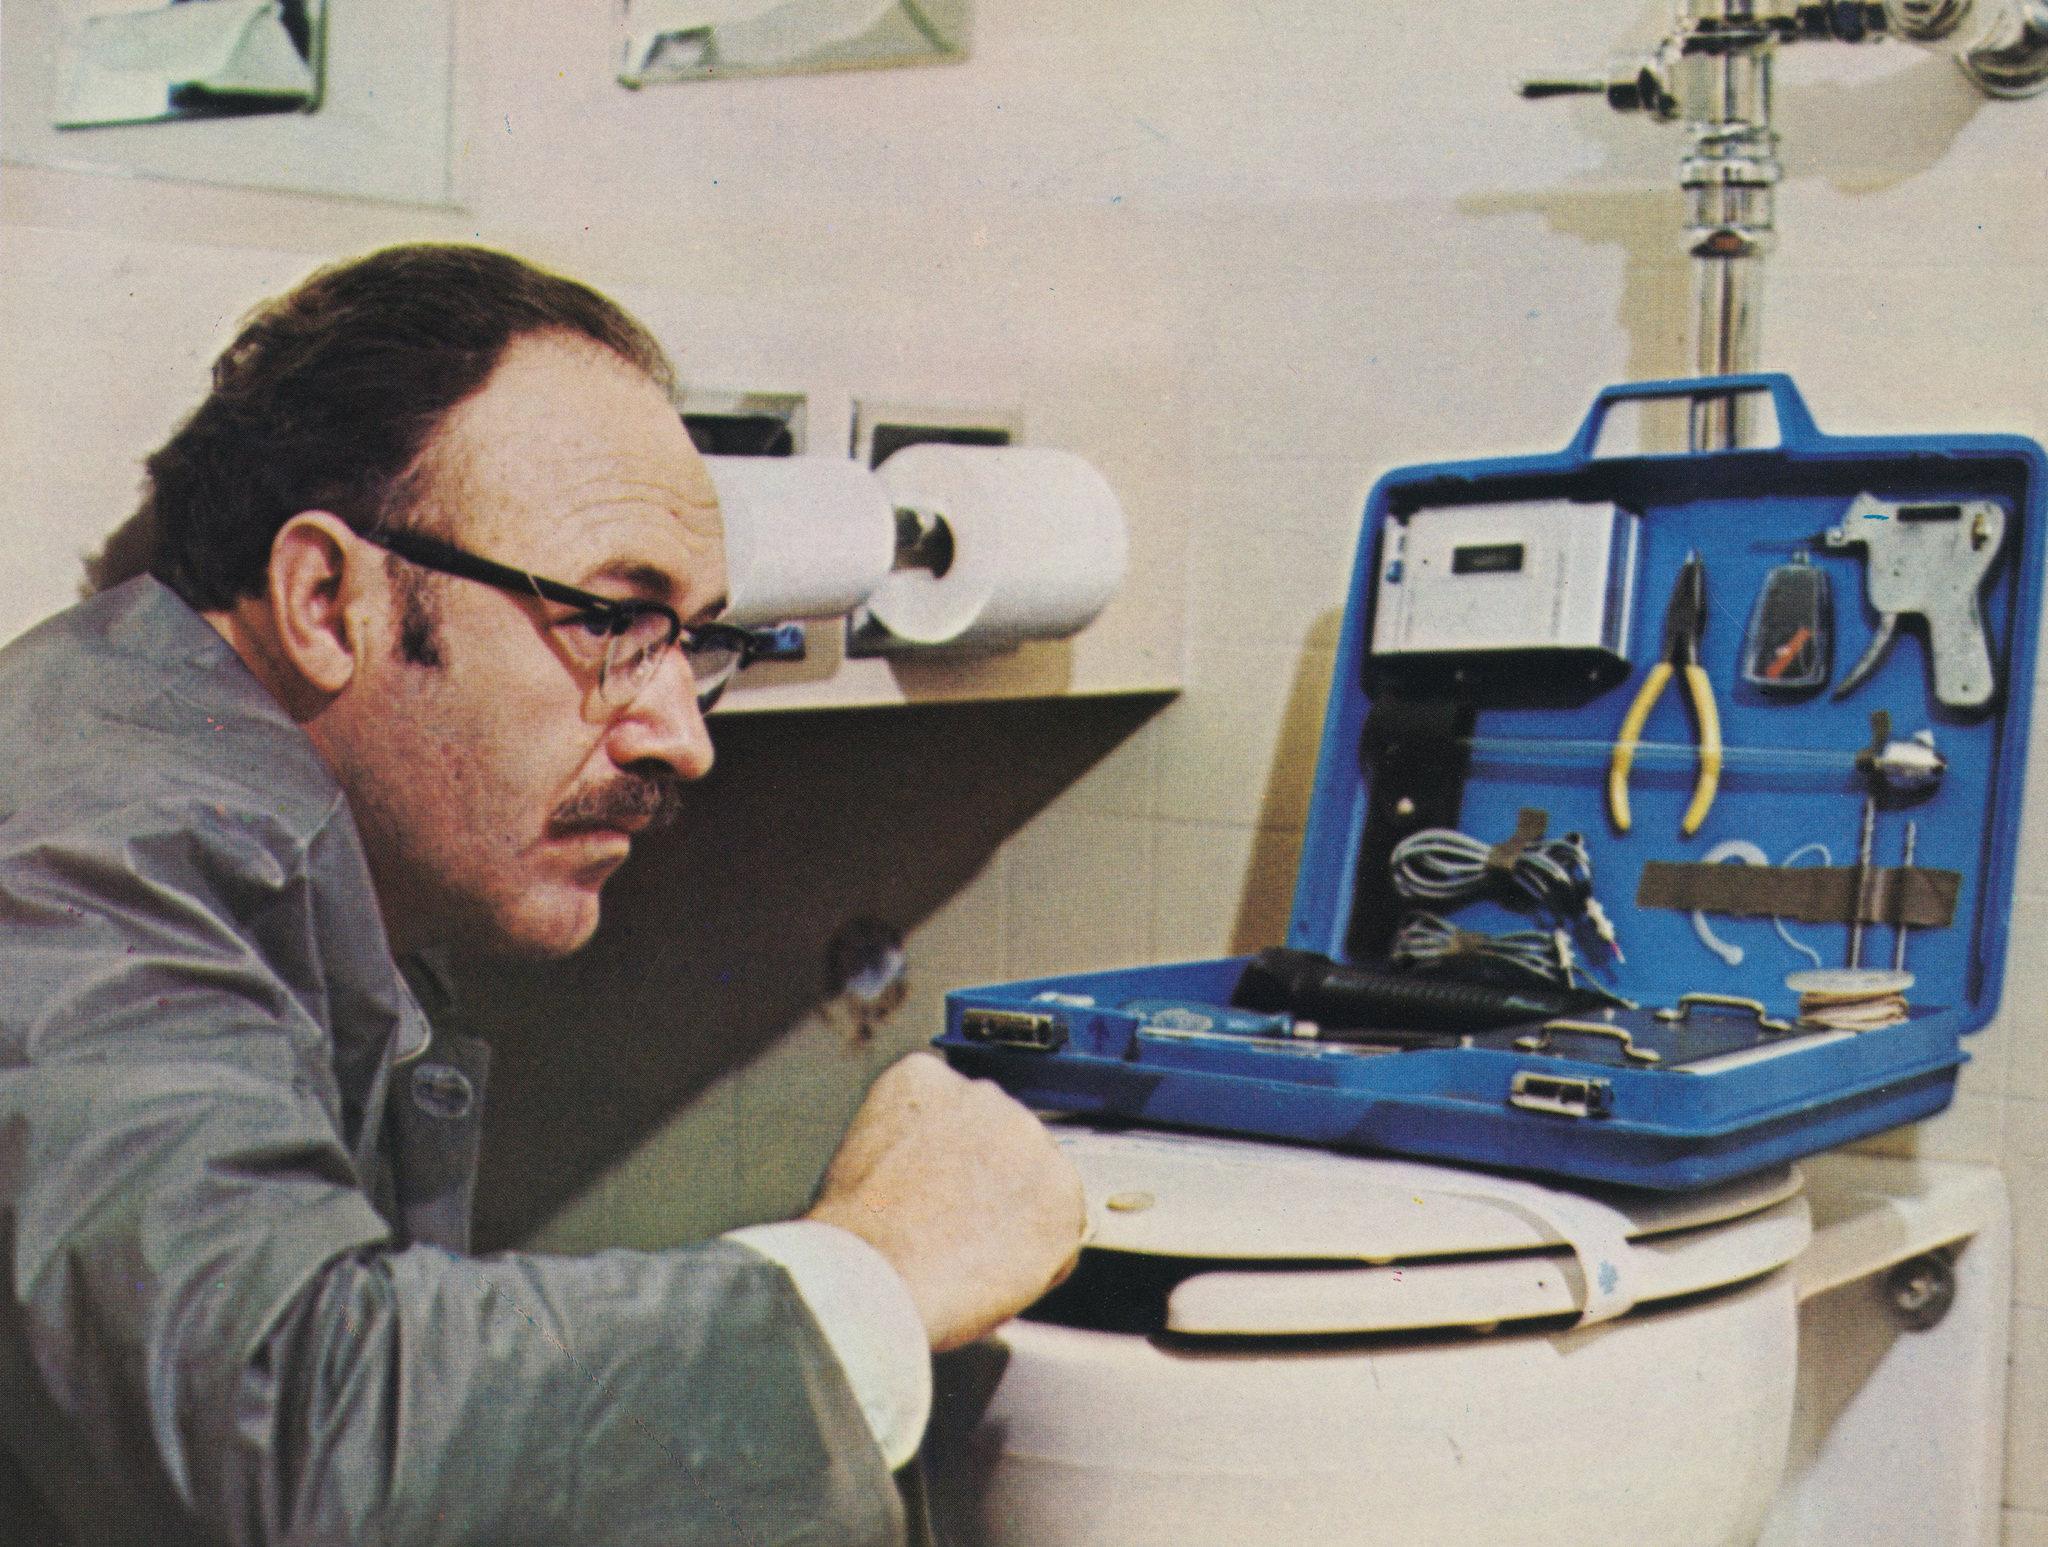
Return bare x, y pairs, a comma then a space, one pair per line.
647, 579
650, 580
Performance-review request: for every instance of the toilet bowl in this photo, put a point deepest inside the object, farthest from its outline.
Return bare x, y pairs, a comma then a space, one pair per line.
1272, 1344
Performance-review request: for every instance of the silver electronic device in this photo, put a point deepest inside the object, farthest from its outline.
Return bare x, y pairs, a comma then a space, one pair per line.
1523, 601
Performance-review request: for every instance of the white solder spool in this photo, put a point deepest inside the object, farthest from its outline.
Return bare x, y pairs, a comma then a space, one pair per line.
1851, 998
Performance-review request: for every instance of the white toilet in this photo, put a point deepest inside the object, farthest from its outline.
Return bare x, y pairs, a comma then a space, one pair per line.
1276, 1345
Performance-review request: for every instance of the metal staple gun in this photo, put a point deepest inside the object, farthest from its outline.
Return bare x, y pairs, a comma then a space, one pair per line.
1929, 559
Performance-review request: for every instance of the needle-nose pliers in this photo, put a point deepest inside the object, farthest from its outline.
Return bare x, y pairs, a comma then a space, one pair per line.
1685, 619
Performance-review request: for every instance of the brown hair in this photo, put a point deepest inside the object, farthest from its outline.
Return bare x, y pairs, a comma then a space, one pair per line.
328, 399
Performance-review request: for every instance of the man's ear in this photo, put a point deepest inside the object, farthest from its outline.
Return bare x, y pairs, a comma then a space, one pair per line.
325, 585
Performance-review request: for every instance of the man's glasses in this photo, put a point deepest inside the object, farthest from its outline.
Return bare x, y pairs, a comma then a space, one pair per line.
633, 634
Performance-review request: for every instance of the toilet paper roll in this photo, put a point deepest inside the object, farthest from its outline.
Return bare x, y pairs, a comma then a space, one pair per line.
805, 537
1039, 545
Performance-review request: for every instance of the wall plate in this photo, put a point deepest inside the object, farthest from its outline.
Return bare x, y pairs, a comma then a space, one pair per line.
744, 424
879, 431
882, 428
683, 40
376, 128
119, 62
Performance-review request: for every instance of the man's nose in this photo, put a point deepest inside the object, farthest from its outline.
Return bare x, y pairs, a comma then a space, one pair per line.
664, 723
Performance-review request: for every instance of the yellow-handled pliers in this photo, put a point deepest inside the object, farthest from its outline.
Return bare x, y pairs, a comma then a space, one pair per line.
1685, 619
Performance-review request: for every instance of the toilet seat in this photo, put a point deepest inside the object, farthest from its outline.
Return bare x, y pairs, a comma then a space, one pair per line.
1358, 1243
1083, 1426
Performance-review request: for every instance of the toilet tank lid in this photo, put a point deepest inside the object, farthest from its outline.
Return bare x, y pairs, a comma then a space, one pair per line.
1196, 1195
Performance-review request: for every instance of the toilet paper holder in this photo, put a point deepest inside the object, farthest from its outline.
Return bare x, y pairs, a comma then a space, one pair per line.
924, 540
943, 548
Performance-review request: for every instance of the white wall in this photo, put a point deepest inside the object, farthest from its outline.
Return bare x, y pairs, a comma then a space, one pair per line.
1245, 256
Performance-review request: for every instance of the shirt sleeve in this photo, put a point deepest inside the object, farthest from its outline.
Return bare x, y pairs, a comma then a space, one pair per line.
866, 1313
208, 1332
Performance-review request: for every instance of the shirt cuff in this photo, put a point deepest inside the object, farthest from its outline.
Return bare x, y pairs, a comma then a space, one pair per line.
866, 1313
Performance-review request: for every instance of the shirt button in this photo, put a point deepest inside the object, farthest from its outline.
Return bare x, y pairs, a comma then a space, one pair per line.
441, 1090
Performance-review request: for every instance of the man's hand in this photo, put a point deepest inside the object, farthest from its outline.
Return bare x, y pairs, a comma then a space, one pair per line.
962, 1190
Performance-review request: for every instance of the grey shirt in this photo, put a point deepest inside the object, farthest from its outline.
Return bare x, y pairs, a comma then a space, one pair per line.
237, 1306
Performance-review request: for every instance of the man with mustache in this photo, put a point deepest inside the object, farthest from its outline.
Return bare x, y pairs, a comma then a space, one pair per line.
413, 633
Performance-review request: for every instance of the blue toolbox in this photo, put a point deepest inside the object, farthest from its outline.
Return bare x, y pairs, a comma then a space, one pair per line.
1621, 864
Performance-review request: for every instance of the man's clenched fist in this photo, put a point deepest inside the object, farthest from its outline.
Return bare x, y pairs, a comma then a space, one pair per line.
962, 1190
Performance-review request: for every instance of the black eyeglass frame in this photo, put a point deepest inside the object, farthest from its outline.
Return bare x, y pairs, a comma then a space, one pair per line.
615, 613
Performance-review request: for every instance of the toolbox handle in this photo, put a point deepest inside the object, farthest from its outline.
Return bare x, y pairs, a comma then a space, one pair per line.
1795, 424
1539, 1040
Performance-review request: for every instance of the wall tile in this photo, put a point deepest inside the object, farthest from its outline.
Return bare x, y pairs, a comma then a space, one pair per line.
2026, 1130
1970, 1129
1080, 893
1275, 556
1986, 1072
2027, 1180
1241, 744
2032, 866
2026, 1054
2026, 1421
681, 1184
2026, 1062
806, 1073
922, 1015
1122, 783
1267, 901
792, 1106
779, 1175
1221, 890
2023, 1006
969, 929
1195, 887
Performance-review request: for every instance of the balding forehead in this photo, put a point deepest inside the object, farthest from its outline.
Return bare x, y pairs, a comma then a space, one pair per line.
571, 457
505, 421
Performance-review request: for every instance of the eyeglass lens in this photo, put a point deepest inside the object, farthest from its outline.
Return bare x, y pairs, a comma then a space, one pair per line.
634, 652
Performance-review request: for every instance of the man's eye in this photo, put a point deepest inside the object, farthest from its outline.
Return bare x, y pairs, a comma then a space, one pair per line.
598, 625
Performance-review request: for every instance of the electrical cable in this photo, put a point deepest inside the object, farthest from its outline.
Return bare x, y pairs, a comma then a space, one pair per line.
1442, 865
1778, 924
1427, 943
1749, 854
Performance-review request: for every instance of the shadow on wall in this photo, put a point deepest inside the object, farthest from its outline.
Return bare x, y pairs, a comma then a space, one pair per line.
1266, 902
1864, 137
715, 934
1875, 134
1645, 223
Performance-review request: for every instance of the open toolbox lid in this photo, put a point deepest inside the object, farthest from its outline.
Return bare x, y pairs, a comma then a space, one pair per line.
1654, 1097
1788, 780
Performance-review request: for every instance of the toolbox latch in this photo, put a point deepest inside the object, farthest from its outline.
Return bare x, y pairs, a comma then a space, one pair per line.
1031, 1029
1560, 1095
